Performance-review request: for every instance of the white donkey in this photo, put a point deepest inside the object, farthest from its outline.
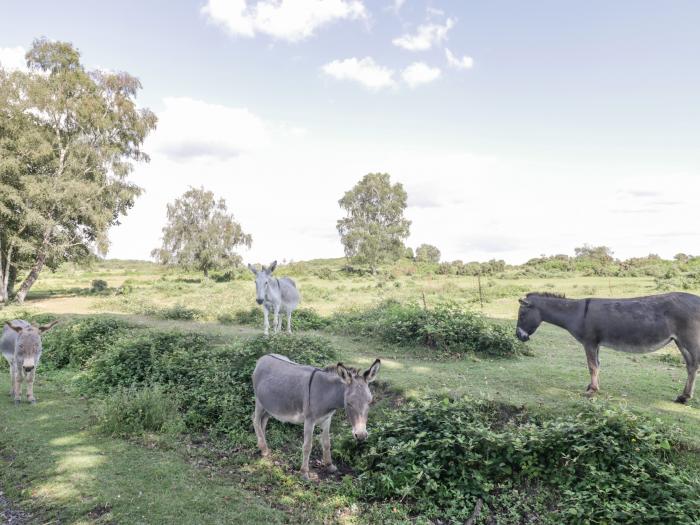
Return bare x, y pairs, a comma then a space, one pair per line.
275, 294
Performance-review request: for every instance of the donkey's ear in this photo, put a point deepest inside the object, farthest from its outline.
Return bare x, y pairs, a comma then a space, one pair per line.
252, 269
47, 327
16, 328
524, 302
371, 373
272, 267
344, 373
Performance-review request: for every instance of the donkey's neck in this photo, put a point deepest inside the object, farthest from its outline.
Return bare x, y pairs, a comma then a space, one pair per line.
333, 396
564, 313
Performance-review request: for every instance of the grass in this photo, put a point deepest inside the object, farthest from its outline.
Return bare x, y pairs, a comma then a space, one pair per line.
62, 472
56, 466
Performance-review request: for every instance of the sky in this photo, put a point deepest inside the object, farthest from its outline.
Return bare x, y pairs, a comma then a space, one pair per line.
517, 128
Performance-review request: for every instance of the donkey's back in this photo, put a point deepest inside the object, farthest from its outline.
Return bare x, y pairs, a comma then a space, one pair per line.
280, 386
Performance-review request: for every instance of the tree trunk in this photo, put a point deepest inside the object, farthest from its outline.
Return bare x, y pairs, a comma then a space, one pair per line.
36, 268
5, 270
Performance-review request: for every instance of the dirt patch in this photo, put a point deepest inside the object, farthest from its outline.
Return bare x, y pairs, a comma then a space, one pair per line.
99, 511
11, 515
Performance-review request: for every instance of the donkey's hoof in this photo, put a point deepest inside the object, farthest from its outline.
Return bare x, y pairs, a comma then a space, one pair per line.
682, 399
305, 475
32, 401
265, 452
17, 402
331, 468
590, 392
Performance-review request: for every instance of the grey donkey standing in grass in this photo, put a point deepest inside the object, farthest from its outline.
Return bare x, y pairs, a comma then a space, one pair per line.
296, 393
21, 346
638, 325
274, 295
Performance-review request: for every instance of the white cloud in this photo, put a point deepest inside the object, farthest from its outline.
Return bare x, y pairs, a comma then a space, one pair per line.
291, 20
466, 62
364, 71
12, 58
420, 73
280, 191
398, 4
190, 129
426, 37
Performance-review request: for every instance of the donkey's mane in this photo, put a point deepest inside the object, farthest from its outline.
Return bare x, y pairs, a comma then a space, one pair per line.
334, 368
547, 294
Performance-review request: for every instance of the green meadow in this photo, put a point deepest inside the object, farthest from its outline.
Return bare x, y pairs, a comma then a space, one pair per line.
61, 467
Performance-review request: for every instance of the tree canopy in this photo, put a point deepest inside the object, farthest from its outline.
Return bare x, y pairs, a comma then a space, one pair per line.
427, 253
374, 228
68, 140
200, 234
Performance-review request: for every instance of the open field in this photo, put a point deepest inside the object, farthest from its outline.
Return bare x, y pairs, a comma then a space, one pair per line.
57, 468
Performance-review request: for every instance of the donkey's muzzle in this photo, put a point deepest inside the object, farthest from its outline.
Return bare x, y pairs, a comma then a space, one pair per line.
28, 369
259, 301
361, 435
522, 335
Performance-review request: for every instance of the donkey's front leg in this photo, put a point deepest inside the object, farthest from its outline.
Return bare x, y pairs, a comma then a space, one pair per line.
17, 385
30, 387
266, 324
289, 322
326, 442
593, 368
277, 319
306, 449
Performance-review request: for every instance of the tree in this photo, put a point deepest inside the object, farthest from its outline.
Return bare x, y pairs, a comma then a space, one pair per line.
374, 227
427, 253
68, 139
200, 234
600, 254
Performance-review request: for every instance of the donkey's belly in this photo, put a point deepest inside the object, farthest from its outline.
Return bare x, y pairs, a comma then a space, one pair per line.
294, 417
642, 347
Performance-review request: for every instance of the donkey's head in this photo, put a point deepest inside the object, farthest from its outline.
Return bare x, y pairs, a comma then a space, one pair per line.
28, 344
262, 280
529, 319
357, 396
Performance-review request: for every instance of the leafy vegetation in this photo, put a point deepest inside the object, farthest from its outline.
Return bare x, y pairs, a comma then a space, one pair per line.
200, 234
598, 466
134, 411
374, 229
447, 328
69, 137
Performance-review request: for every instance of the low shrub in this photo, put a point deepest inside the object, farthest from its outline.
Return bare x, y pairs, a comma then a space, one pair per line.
72, 343
599, 466
179, 312
98, 285
210, 384
134, 411
447, 327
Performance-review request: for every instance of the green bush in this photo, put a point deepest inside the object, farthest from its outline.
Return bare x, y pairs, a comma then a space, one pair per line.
134, 360
211, 385
98, 285
133, 411
179, 312
447, 327
72, 343
599, 466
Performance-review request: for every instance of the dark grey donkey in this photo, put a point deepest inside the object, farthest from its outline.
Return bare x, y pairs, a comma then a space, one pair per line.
638, 325
274, 295
21, 346
296, 393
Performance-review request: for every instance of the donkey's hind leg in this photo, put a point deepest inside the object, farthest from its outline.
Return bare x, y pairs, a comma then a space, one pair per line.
691, 356
260, 417
592, 352
289, 321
